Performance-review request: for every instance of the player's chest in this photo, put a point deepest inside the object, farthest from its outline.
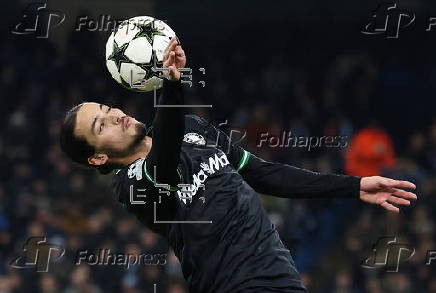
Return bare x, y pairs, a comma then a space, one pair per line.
201, 168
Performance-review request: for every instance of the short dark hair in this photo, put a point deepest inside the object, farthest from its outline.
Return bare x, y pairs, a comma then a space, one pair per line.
75, 147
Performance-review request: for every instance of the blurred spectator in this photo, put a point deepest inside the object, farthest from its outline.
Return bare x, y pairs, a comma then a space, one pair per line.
49, 284
80, 281
371, 150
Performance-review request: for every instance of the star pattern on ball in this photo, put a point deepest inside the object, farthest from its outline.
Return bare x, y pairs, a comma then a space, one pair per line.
153, 63
148, 30
118, 55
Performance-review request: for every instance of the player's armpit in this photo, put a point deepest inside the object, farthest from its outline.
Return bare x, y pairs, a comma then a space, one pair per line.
287, 181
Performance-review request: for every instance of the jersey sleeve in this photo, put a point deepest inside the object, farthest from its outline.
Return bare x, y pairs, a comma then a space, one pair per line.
168, 129
277, 179
287, 181
147, 187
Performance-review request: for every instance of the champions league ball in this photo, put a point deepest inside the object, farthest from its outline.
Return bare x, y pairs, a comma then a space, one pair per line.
135, 49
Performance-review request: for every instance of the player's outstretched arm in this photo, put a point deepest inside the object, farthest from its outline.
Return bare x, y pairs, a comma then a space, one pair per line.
168, 124
286, 181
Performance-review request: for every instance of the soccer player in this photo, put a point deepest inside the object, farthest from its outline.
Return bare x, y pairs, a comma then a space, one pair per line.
191, 185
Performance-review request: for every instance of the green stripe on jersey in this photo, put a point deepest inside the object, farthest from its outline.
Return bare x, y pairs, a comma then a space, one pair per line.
244, 161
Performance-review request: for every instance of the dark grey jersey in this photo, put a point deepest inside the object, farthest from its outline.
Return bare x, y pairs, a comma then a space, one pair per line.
199, 191
214, 221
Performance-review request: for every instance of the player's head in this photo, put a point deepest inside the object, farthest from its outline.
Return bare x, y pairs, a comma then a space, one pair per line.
97, 135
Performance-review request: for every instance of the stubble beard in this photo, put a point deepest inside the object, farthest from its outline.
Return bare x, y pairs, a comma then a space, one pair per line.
140, 133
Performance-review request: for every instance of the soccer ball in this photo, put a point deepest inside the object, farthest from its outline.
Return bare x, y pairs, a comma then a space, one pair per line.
135, 49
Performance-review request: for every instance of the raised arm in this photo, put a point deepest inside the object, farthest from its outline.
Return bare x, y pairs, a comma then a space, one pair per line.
168, 125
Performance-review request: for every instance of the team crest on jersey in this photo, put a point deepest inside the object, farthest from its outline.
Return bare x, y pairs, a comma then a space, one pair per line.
135, 170
194, 138
213, 165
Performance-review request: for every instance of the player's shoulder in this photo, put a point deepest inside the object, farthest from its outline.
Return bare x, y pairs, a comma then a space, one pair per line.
196, 130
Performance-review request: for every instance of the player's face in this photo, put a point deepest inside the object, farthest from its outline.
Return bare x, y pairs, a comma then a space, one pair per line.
109, 130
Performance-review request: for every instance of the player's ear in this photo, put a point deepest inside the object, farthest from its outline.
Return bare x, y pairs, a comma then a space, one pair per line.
98, 159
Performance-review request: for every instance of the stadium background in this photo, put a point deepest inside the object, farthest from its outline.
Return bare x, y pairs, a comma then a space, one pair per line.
270, 66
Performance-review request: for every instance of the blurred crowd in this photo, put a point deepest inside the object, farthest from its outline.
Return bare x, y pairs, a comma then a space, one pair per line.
43, 194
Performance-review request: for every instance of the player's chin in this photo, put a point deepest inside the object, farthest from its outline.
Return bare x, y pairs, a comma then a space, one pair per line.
137, 130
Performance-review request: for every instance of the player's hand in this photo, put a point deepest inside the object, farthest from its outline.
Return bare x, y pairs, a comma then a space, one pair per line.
386, 192
174, 57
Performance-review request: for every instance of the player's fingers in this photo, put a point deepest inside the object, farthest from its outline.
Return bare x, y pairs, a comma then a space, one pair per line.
387, 182
172, 57
390, 207
172, 45
169, 47
179, 51
398, 200
170, 60
403, 193
404, 184
174, 40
